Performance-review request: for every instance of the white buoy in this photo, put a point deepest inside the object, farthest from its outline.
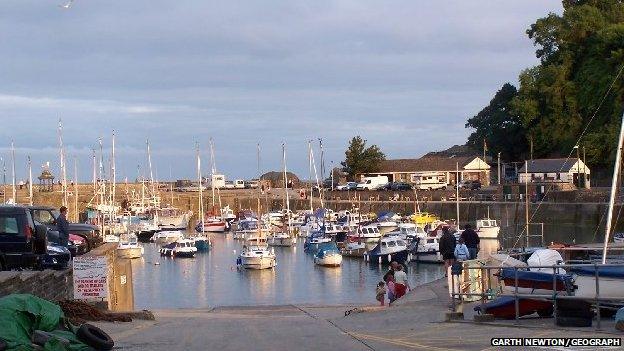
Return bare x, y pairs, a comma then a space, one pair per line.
379, 260
389, 258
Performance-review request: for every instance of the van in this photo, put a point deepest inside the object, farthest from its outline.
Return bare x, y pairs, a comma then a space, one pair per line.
218, 181
429, 181
239, 184
371, 183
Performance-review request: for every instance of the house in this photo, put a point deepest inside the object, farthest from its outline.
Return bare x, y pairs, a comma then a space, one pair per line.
406, 170
556, 170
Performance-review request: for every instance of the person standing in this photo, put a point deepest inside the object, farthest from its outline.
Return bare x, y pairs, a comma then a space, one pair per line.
461, 251
471, 238
400, 282
62, 225
447, 248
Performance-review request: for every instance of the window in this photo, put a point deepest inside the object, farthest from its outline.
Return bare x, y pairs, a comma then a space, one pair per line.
391, 243
43, 217
8, 225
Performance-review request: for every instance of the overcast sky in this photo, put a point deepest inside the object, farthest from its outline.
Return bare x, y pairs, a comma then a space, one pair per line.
404, 75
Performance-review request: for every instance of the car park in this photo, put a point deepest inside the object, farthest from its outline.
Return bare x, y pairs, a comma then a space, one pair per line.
347, 186
91, 234
24, 244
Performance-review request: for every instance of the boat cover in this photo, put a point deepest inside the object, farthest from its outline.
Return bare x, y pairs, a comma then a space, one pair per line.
508, 273
545, 257
21, 314
505, 260
610, 272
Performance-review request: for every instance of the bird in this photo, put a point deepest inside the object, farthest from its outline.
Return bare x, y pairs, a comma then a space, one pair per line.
67, 5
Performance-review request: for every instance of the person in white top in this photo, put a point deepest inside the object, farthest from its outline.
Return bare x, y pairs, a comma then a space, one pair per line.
400, 281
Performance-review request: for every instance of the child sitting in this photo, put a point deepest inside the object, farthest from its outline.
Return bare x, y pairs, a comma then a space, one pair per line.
381, 293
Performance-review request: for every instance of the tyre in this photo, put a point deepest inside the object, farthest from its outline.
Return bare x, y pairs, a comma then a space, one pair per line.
576, 313
573, 322
95, 337
577, 305
547, 312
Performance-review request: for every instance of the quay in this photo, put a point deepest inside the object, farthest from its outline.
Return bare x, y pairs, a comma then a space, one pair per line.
416, 322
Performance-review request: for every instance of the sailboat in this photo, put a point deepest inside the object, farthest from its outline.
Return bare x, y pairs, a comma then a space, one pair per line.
212, 222
202, 242
256, 253
286, 237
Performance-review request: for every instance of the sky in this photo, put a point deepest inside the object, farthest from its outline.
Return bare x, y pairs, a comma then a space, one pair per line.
405, 75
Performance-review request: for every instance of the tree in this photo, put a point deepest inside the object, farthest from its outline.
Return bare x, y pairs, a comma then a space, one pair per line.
361, 159
499, 126
581, 53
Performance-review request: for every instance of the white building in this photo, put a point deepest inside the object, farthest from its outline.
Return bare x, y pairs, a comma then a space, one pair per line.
556, 170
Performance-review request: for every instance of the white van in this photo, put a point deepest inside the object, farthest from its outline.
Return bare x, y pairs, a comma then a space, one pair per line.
239, 184
371, 183
218, 181
429, 180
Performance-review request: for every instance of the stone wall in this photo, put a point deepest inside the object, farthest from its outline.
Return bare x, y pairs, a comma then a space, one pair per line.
48, 284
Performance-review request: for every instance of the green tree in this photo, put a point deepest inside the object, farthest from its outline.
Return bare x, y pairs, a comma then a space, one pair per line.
361, 159
581, 53
499, 126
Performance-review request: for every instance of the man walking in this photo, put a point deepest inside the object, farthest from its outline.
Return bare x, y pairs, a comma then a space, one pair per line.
471, 239
62, 225
447, 248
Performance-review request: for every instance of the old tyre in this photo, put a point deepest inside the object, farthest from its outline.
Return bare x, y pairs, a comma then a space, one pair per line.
573, 305
547, 312
576, 313
95, 337
573, 322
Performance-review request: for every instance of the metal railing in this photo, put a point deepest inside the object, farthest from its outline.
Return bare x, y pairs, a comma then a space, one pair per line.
489, 293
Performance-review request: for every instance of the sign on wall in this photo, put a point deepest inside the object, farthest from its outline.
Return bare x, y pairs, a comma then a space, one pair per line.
90, 277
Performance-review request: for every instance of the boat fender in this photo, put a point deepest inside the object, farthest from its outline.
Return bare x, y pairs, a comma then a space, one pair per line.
389, 258
95, 337
379, 260
366, 257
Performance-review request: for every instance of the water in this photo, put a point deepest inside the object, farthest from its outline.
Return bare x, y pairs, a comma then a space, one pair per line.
211, 279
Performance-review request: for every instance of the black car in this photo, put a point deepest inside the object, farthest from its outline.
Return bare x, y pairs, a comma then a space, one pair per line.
47, 216
23, 244
470, 184
400, 186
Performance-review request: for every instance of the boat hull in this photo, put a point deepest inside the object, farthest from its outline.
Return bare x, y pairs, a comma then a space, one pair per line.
264, 262
505, 307
135, 252
429, 257
399, 256
333, 260
272, 241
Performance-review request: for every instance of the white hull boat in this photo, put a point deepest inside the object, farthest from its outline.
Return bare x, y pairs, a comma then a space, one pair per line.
256, 257
129, 247
333, 259
167, 237
281, 239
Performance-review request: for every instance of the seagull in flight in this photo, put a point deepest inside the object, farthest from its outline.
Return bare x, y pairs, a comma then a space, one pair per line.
67, 5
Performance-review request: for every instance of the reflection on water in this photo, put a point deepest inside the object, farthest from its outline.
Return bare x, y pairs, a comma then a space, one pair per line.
211, 279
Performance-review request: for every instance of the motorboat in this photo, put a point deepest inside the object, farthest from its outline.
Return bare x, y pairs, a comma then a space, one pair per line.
202, 242
487, 228
256, 257
167, 237
423, 218
354, 249
328, 256
429, 250
227, 214
249, 226
129, 247
388, 249
281, 239
409, 231
314, 241
172, 218
211, 224
504, 307
367, 233
180, 248
111, 238
387, 226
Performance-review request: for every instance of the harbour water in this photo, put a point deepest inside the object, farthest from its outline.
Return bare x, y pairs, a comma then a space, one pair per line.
211, 279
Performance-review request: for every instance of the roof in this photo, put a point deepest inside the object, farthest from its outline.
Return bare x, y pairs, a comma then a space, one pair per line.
424, 164
549, 165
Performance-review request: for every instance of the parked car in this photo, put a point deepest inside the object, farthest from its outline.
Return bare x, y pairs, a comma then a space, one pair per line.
382, 187
469, 184
400, 186
24, 244
347, 186
91, 234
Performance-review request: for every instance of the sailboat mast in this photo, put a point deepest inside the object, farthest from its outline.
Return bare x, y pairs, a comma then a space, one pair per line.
94, 174
258, 192
30, 188
286, 186
614, 184
3, 179
13, 169
113, 178
310, 177
201, 191
76, 217
526, 200
63, 170
212, 172
457, 193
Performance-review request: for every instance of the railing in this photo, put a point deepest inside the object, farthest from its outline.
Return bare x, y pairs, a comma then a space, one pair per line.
488, 293
510, 241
